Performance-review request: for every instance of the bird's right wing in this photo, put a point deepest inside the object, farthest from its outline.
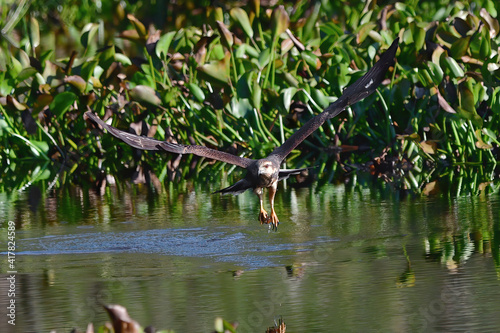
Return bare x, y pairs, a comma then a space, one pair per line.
145, 143
206, 152
136, 141
360, 89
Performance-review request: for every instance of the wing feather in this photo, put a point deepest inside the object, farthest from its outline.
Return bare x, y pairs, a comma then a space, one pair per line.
136, 141
145, 143
285, 173
360, 89
206, 152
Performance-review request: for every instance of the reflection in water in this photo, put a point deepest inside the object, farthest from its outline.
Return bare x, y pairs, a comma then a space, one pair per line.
346, 257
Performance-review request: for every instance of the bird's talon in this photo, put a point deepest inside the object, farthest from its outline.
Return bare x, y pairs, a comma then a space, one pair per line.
264, 217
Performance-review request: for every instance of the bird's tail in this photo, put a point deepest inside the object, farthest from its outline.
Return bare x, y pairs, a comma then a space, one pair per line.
237, 188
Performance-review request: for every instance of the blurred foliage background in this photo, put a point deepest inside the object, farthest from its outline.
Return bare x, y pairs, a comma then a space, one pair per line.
243, 76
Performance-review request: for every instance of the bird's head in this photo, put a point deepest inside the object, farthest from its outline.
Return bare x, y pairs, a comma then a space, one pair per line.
266, 169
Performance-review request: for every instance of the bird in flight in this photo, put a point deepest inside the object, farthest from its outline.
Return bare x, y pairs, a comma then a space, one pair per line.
266, 172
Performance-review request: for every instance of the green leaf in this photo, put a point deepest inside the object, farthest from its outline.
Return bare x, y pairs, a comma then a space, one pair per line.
480, 143
34, 32
331, 29
229, 327
41, 145
460, 47
88, 33
311, 59
144, 94
24, 59
312, 21
288, 94
107, 56
264, 58
467, 97
62, 102
3, 126
436, 55
217, 52
216, 70
244, 85
279, 21
407, 37
226, 35
425, 78
485, 47
250, 50
45, 56
77, 82
16, 67
291, 80
319, 97
240, 108
419, 38
139, 27
6, 85
489, 133
26, 73
344, 77
123, 59
364, 31
256, 95
196, 91
490, 8
454, 67
240, 16
88, 69
163, 44
436, 72
477, 120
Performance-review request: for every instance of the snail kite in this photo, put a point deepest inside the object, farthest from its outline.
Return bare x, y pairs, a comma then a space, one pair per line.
266, 172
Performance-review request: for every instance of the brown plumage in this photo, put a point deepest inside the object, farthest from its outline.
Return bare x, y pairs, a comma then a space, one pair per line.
266, 172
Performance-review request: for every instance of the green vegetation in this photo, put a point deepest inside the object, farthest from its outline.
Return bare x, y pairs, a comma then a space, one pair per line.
242, 79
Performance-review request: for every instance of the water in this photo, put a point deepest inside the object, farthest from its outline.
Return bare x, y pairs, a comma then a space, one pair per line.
350, 259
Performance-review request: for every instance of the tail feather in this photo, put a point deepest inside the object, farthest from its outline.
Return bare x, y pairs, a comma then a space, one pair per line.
237, 188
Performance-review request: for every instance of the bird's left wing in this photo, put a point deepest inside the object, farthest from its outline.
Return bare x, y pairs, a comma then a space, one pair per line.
285, 173
145, 143
360, 89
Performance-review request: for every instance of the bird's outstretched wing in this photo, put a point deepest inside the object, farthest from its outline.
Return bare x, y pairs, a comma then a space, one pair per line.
285, 173
145, 143
352, 94
206, 152
136, 141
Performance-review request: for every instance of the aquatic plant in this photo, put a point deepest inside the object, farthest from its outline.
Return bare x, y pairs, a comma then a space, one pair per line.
242, 79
